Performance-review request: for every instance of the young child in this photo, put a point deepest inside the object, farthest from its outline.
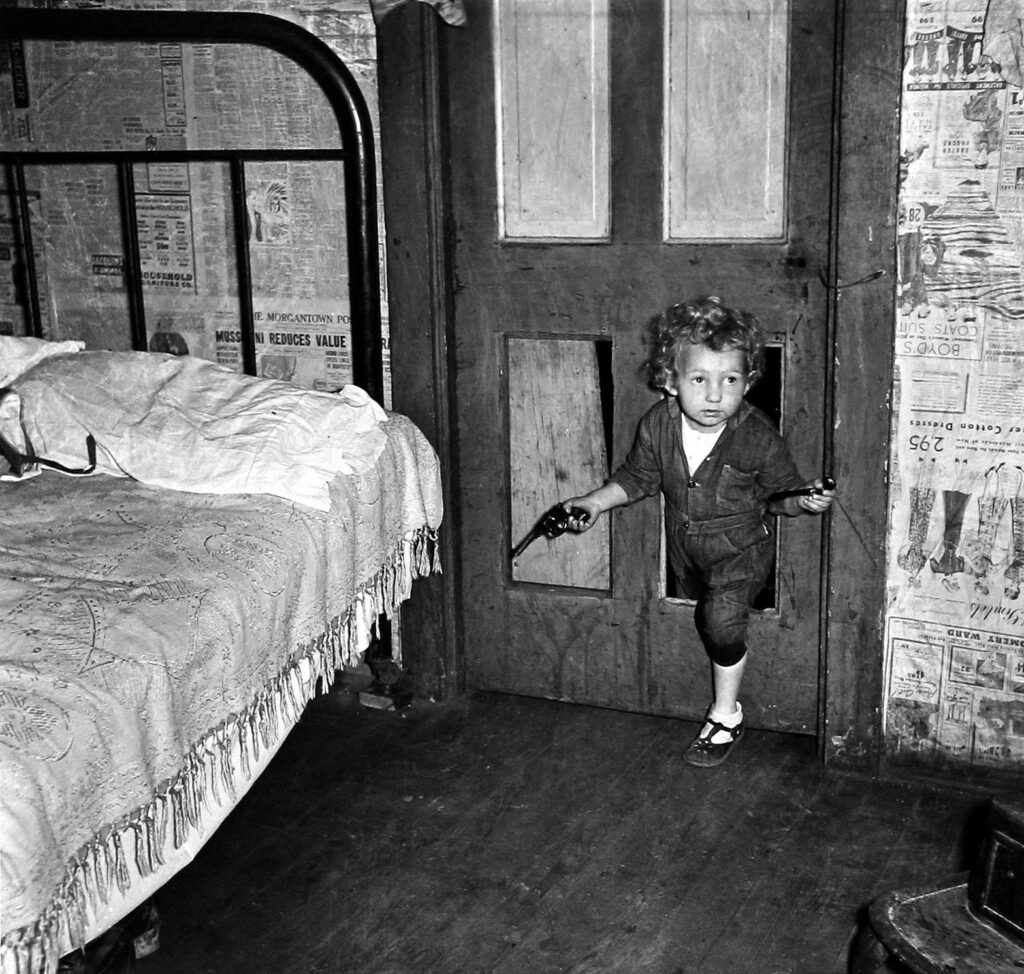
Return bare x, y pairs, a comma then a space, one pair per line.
721, 465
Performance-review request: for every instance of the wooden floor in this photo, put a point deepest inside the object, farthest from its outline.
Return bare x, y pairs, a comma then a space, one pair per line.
517, 836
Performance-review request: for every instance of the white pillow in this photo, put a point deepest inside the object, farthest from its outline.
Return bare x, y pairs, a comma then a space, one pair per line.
17, 355
188, 424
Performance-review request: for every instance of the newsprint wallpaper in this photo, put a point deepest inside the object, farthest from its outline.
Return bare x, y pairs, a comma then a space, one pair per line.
196, 96
955, 614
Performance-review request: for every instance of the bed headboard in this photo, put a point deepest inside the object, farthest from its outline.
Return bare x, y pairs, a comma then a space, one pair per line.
355, 153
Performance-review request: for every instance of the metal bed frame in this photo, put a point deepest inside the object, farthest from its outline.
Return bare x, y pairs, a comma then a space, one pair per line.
355, 153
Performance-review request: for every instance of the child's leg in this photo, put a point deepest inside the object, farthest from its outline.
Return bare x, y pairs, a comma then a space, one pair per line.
717, 627
722, 623
727, 680
731, 585
725, 643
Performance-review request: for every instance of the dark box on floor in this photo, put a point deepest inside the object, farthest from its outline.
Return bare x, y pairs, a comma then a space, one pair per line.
995, 891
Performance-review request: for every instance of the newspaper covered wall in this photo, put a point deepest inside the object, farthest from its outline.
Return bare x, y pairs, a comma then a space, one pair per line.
955, 612
194, 96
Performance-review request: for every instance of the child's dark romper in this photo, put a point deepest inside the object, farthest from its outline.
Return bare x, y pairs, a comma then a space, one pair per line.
721, 541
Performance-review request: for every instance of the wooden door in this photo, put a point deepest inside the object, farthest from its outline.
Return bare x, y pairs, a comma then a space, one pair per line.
551, 298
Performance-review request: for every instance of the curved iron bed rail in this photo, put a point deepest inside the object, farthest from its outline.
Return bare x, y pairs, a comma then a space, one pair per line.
356, 153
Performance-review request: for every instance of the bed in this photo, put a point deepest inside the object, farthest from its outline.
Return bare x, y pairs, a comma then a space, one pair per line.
189, 551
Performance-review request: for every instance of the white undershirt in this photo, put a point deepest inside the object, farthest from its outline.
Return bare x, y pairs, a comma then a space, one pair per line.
697, 444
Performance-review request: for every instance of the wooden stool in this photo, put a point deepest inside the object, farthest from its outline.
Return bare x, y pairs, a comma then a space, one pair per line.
932, 931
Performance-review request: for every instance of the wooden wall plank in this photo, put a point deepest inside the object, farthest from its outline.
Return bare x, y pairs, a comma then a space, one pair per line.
862, 323
412, 149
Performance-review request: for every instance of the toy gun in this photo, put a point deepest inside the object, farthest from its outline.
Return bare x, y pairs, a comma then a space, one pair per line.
829, 483
554, 522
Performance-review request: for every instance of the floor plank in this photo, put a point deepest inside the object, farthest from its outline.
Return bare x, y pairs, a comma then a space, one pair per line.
505, 835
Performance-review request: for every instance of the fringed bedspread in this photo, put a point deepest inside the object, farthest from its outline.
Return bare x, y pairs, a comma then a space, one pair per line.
155, 648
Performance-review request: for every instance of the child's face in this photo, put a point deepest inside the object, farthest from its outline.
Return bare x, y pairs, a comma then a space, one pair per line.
710, 385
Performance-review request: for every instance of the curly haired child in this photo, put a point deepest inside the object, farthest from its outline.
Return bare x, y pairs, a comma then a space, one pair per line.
721, 465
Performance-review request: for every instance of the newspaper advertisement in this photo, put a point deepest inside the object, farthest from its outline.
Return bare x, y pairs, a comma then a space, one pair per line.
305, 342
957, 693
170, 96
955, 614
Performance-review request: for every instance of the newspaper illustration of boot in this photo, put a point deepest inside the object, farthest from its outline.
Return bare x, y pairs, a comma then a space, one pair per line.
1014, 573
911, 557
950, 562
953, 49
925, 46
980, 546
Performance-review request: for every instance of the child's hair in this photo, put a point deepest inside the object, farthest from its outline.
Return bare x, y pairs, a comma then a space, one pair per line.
706, 323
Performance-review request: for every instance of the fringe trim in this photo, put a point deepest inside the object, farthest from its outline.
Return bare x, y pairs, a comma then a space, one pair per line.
207, 772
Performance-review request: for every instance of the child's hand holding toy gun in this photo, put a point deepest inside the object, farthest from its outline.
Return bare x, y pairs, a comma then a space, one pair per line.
575, 514
813, 498
556, 521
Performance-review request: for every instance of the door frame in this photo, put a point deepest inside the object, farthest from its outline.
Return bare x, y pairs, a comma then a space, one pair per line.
862, 322
412, 44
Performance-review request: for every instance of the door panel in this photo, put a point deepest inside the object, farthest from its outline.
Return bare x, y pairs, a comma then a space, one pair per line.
624, 645
730, 186
553, 67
